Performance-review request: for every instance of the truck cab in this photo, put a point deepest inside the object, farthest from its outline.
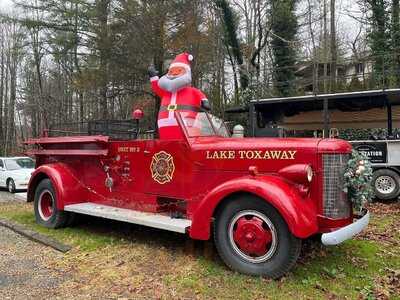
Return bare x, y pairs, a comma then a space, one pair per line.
258, 198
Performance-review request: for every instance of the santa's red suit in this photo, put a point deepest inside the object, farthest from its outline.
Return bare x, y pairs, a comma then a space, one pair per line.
176, 95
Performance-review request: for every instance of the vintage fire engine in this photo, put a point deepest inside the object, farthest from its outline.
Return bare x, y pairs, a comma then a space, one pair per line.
257, 197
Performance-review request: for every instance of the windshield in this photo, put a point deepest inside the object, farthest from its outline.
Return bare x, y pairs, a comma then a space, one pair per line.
13, 164
203, 125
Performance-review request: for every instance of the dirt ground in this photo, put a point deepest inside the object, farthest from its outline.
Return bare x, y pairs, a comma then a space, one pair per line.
113, 260
24, 271
6, 197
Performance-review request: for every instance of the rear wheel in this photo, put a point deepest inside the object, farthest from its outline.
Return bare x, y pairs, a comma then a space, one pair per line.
386, 184
11, 186
45, 205
252, 238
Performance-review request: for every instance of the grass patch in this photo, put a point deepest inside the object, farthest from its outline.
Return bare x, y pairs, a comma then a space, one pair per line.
349, 270
121, 260
83, 238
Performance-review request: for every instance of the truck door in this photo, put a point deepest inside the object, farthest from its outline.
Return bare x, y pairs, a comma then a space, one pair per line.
169, 169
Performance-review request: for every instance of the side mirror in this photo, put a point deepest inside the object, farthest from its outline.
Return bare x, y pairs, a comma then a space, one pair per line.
137, 114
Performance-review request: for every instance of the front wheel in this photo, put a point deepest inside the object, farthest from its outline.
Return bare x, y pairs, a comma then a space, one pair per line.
45, 205
252, 238
11, 186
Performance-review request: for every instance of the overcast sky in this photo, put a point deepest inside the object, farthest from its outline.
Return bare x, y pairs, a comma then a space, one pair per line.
346, 24
5, 5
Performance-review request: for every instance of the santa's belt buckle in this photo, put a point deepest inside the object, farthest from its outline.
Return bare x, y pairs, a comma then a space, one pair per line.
172, 107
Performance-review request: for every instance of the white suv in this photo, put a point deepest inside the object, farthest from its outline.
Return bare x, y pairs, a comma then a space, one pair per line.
15, 172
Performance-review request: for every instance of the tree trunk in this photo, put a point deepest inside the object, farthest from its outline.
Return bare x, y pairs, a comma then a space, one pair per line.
314, 49
104, 50
11, 105
325, 47
232, 40
6, 103
235, 79
159, 41
41, 101
2, 61
396, 40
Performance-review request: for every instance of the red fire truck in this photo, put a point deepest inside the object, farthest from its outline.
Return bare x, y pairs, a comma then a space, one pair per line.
257, 197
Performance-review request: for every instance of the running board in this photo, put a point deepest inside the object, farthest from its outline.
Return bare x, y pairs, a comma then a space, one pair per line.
131, 216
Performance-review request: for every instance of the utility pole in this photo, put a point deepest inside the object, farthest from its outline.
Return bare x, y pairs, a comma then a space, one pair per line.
333, 47
326, 57
325, 47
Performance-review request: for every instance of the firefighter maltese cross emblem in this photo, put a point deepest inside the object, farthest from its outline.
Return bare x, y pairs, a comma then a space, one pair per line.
162, 167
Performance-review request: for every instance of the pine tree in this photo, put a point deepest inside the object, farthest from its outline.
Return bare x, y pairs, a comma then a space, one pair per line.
379, 39
232, 39
395, 40
284, 28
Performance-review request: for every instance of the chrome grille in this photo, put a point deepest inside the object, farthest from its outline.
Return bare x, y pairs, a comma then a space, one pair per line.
336, 203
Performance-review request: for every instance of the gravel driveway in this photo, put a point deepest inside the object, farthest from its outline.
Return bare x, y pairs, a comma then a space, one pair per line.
6, 197
24, 265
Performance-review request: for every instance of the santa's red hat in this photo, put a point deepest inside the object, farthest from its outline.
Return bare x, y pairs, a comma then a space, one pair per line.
182, 60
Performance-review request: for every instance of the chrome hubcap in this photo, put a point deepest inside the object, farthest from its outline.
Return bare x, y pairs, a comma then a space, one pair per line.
385, 184
253, 236
46, 205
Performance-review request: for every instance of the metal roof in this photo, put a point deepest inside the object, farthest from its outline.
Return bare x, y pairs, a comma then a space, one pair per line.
393, 95
13, 157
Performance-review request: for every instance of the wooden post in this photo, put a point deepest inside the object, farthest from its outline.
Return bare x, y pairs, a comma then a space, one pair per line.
326, 118
253, 120
389, 118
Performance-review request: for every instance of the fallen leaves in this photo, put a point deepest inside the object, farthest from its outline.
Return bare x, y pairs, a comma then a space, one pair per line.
385, 229
384, 209
388, 285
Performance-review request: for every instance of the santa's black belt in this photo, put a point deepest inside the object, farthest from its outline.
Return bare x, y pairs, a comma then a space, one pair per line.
173, 107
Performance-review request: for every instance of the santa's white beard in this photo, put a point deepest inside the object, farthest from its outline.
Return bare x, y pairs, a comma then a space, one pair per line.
173, 85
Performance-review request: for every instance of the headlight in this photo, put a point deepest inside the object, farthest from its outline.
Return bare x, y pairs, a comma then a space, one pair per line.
300, 173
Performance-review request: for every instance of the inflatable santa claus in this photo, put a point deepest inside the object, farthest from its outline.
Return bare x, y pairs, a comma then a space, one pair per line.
176, 95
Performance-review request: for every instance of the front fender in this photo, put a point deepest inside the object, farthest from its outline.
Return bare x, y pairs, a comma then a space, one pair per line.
67, 186
298, 212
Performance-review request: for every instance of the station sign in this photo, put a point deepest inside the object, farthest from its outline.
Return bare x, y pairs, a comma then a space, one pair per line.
375, 151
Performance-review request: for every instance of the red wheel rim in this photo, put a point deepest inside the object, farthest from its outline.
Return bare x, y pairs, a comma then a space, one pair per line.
253, 236
46, 205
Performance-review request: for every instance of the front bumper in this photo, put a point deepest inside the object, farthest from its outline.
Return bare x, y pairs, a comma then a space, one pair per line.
343, 234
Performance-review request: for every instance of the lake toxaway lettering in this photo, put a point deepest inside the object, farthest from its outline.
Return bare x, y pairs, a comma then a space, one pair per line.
252, 154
